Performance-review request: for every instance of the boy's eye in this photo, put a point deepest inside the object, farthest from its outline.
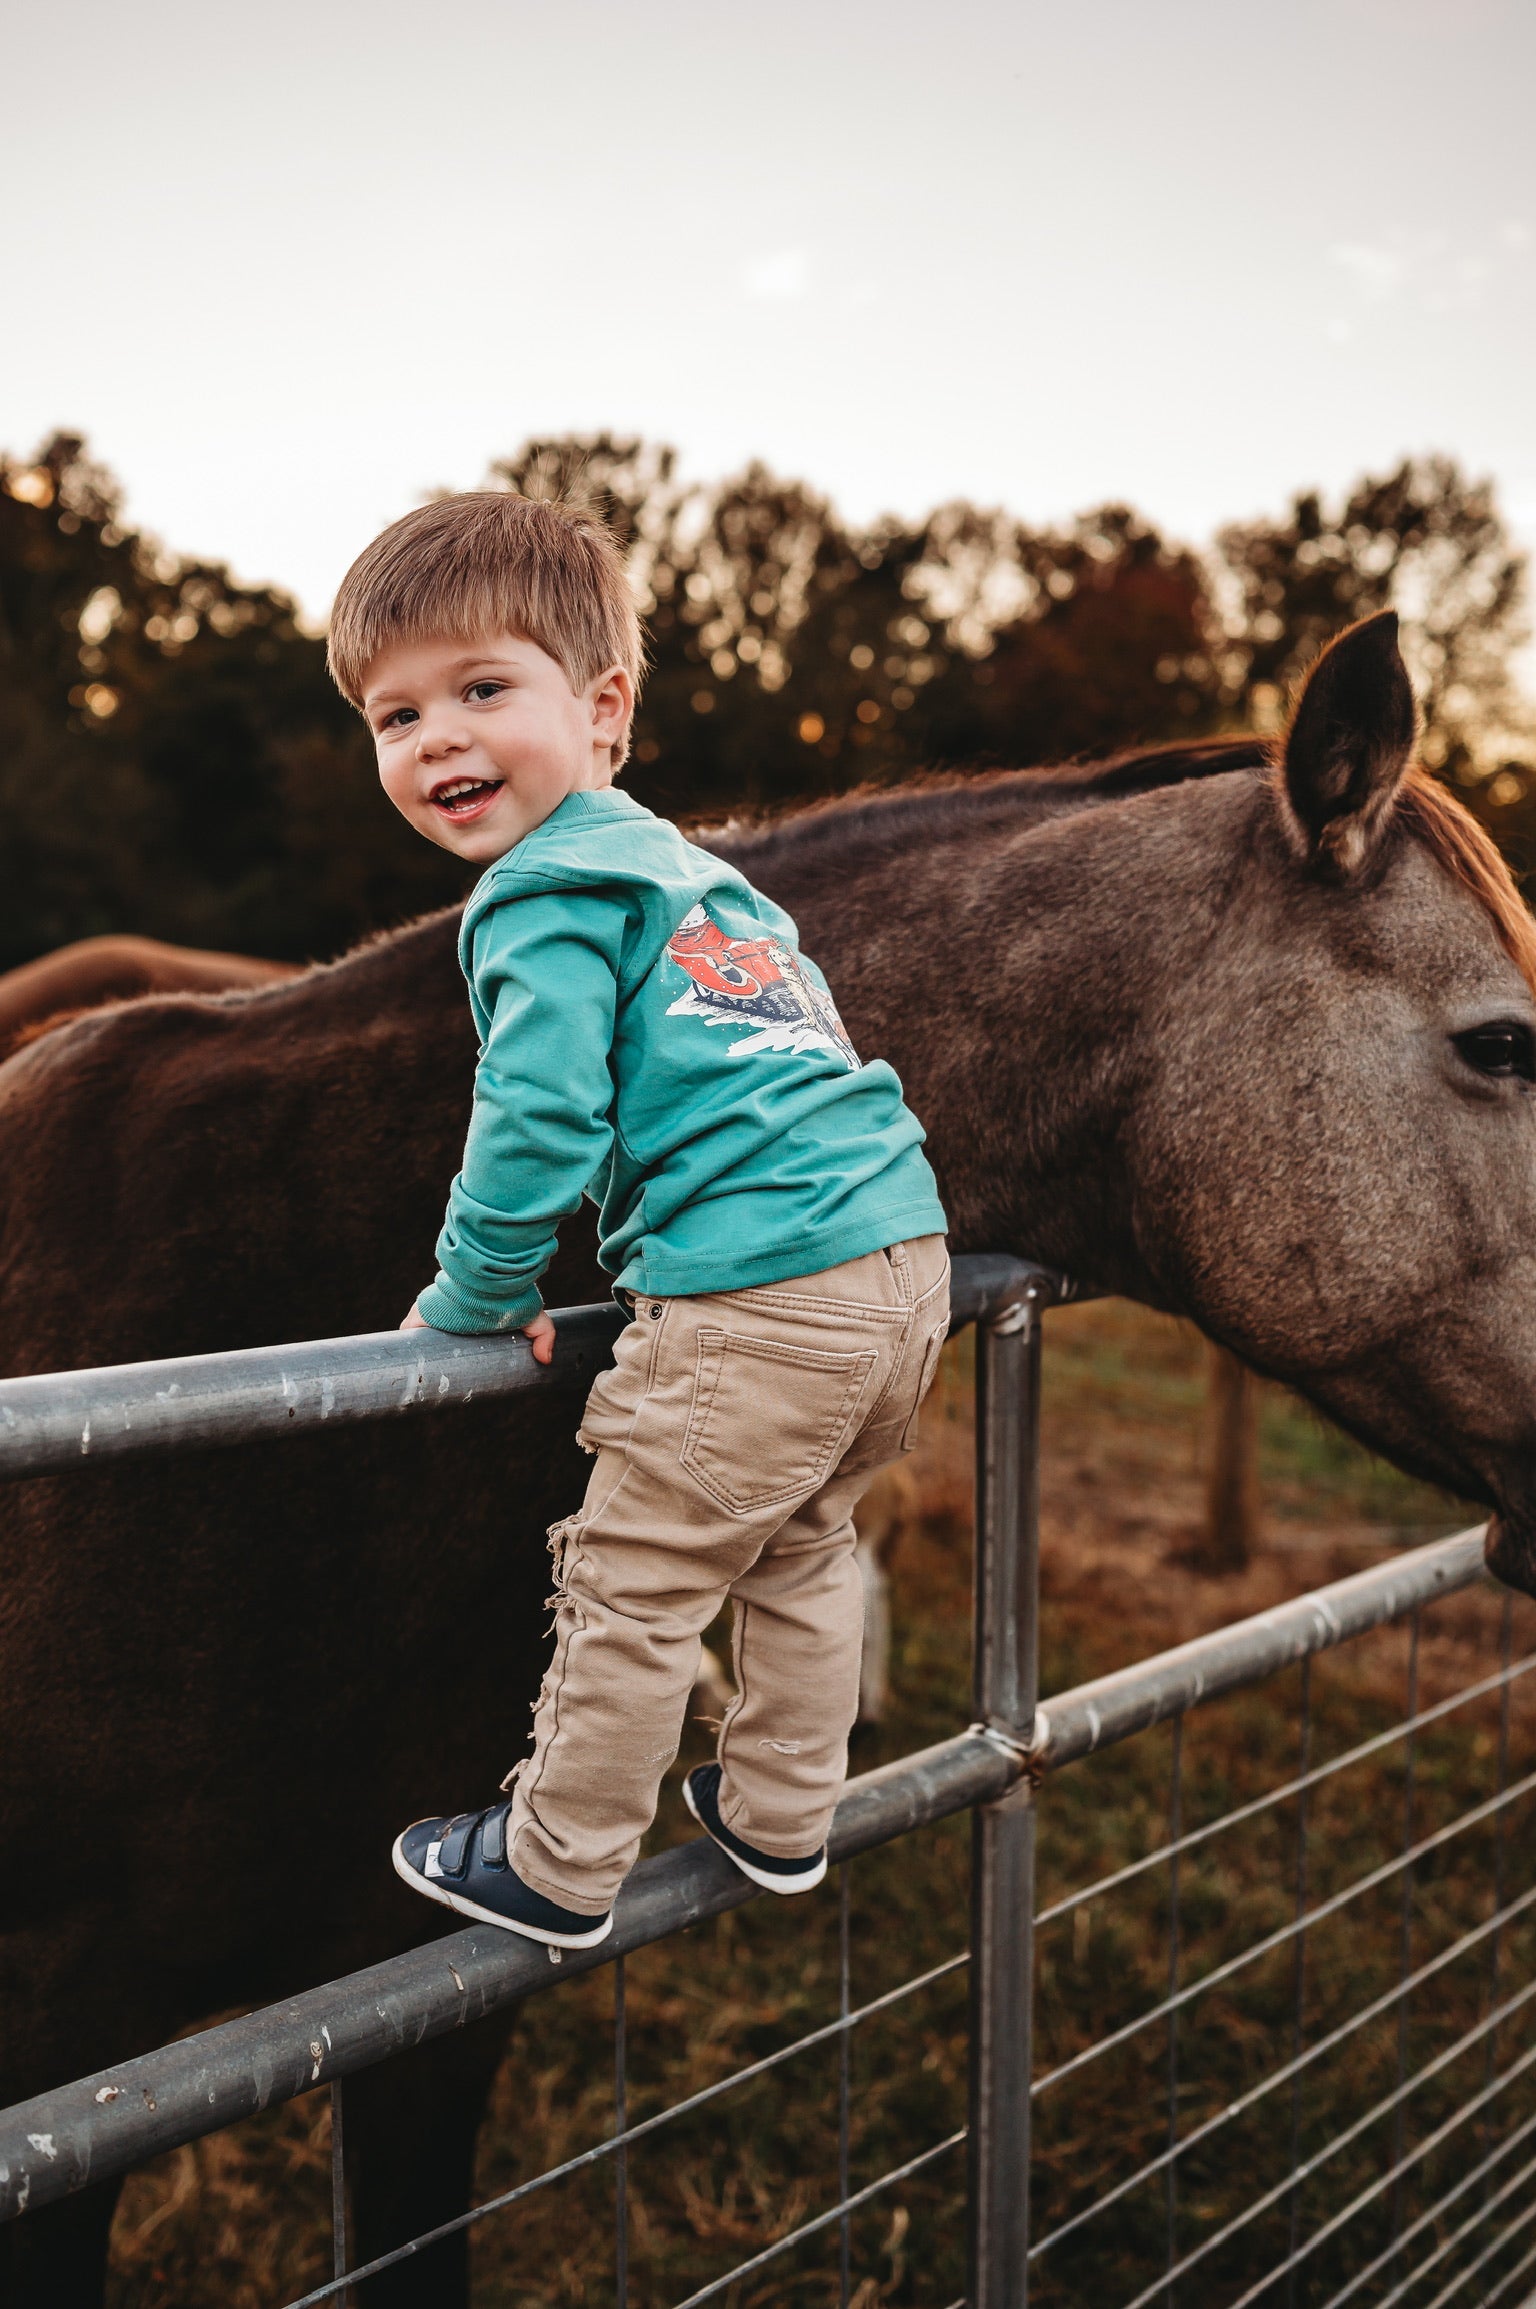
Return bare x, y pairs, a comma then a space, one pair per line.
485, 689
399, 719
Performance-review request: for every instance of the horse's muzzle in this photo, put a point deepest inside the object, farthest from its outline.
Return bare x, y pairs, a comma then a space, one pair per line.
1510, 1550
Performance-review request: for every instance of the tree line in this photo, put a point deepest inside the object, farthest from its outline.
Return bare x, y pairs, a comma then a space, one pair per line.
175, 761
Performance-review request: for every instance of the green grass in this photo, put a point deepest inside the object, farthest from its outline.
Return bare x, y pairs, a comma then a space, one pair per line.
1144, 1376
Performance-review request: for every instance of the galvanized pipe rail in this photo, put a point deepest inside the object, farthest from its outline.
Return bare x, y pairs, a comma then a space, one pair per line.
104, 2125
52, 1423
1112, 1708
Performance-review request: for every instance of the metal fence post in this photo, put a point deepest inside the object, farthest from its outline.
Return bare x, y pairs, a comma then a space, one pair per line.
1003, 1833
340, 2254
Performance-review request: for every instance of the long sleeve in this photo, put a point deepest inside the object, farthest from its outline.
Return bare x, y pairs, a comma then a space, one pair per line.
545, 974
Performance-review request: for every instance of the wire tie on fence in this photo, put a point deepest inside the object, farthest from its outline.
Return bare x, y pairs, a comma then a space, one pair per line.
1027, 1755
1017, 1315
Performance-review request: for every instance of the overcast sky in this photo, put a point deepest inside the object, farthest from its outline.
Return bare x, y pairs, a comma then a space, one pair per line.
289, 267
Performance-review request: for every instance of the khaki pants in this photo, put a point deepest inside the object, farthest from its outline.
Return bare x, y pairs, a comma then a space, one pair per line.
734, 1437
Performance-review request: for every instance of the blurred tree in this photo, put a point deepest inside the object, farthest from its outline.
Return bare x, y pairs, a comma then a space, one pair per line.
725, 579
174, 759
173, 756
1429, 542
795, 657
1114, 643
1423, 540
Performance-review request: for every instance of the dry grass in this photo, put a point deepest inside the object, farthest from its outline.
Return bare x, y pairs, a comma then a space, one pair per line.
240, 2221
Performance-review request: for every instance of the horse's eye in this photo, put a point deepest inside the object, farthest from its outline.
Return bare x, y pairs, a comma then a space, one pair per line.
1505, 1047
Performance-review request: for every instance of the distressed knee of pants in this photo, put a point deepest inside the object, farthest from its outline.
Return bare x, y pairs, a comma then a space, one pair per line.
558, 1543
558, 1603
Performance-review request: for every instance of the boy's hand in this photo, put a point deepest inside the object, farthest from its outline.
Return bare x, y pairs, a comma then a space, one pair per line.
540, 1333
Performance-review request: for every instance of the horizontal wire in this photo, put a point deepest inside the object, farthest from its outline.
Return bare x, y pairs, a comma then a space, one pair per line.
1304, 2172
1424, 2148
635, 2132
1283, 1795
1284, 1933
822, 2221
1449, 2292
843, 2024
1292, 2069
1433, 2213
1510, 2275
1489, 2253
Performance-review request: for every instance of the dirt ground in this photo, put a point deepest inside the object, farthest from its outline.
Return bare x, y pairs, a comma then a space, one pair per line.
1122, 1486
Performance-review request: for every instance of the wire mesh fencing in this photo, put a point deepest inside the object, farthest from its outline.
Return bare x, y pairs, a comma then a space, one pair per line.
1286, 2052
1212, 1982
1283, 2041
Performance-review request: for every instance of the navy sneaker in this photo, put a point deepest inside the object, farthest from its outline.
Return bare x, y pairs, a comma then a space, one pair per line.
463, 1863
701, 1794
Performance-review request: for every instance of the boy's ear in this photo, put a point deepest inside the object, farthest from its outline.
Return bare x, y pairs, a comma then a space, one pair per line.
1348, 747
613, 709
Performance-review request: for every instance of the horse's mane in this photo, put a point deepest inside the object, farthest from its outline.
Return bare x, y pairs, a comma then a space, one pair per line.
948, 801
1432, 815
936, 802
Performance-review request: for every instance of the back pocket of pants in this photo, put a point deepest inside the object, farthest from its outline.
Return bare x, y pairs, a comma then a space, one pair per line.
769, 1422
926, 1377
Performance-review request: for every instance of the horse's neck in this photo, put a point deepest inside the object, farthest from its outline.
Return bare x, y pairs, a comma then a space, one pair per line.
1014, 980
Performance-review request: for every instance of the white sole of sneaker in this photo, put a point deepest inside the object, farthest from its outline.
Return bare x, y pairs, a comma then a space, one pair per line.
783, 1885
472, 1908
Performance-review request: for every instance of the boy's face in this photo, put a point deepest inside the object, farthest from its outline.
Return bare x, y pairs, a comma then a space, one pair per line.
479, 741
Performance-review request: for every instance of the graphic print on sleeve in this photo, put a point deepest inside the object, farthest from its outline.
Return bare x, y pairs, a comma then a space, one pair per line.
753, 982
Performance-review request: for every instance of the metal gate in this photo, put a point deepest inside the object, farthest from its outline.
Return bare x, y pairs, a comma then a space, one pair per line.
1371, 2183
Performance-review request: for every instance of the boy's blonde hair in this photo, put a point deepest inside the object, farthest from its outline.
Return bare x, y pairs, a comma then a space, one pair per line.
490, 562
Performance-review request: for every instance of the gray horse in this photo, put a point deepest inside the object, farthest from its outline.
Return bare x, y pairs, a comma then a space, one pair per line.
1258, 1049
1254, 1043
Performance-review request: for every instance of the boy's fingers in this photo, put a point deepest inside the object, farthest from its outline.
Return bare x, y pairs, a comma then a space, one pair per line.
540, 1335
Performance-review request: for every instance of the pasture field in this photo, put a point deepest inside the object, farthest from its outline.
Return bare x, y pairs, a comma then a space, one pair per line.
240, 2221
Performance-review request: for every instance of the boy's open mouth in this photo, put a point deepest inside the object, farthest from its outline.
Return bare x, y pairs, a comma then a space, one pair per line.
465, 797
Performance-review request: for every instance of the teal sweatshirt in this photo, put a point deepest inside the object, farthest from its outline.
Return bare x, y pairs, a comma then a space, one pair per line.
652, 1037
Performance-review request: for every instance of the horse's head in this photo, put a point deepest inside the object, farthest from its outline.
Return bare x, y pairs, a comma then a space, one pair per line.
1335, 1131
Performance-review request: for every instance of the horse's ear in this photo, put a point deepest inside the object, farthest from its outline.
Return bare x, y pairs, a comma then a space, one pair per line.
1349, 745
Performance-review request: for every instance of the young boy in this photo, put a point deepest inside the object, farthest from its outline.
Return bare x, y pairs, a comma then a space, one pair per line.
650, 1036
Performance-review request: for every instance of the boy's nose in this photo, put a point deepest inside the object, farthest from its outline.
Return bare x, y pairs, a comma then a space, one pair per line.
435, 739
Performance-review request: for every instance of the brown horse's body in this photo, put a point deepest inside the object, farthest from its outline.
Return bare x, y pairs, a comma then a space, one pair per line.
116, 969
1175, 1028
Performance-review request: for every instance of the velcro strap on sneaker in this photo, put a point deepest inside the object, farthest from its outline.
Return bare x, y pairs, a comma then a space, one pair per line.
453, 1853
493, 1836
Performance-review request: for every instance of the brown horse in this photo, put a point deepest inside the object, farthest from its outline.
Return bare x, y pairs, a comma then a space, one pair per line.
115, 969
1255, 1046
